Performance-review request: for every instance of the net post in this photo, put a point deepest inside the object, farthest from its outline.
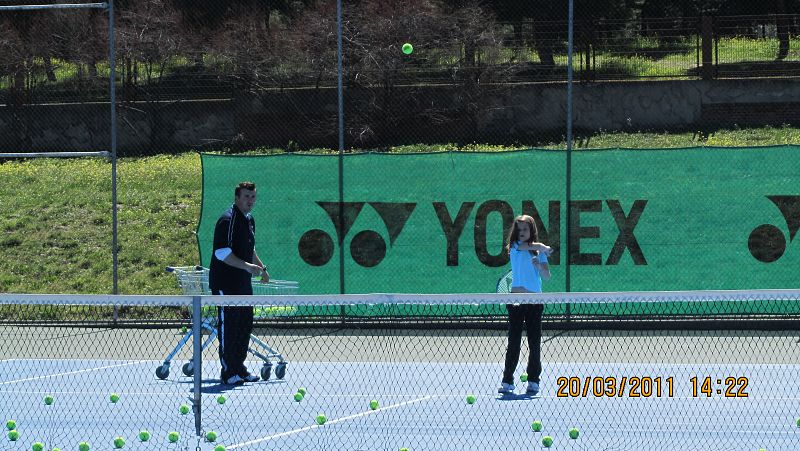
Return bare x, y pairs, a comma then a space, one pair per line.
197, 355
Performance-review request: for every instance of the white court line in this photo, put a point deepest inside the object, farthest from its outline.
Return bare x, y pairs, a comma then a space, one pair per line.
71, 372
308, 428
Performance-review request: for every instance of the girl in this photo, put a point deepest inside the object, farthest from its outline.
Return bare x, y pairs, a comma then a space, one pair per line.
528, 267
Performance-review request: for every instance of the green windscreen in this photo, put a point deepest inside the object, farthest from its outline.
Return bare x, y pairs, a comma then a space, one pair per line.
640, 220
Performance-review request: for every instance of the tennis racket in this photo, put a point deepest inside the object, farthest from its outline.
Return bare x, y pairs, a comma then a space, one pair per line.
504, 283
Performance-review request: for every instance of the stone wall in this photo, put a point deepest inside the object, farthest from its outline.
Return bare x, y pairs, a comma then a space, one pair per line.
307, 117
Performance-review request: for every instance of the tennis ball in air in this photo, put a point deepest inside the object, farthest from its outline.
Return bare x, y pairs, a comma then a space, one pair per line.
119, 442
173, 437
184, 409
470, 399
221, 399
38, 446
298, 396
219, 448
408, 48
573, 433
547, 441
11, 424
83, 446
302, 391
113, 397
373, 404
144, 435
536, 426
321, 419
211, 436
13, 435
523, 377
48, 400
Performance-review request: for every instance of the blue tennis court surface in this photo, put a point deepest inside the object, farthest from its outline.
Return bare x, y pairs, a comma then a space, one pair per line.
422, 407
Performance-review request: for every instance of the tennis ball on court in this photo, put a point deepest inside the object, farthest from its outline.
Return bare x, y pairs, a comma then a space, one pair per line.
173, 437
119, 442
573, 433
38, 446
221, 399
144, 435
13, 435
470, 399
536, 426
184, 409
408, 48
373, 404
523, 377
547, 441
11, 424
298, 396
211, 436
48, 400
113, 397
83, 446
321, 419
219, 448
301, 390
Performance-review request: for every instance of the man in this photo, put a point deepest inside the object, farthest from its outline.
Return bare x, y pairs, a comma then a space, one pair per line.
233, 264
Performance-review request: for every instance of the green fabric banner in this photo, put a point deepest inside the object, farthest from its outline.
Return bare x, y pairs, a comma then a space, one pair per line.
666, 219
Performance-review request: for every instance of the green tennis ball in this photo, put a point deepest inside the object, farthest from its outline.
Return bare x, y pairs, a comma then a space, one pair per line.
119, 442
301, 390
408, 48
536, 426
470, 399
56, 449
113, 397
373, 404
83, 446
547, 441
211, 436
221, 399
321, 419
144, 435
183, 329
219, 448
523, 377
798, 422
573, 433
173, 437
298, 396
11, 424
184, 409
48, 400
13, 435
38, 446
403, 449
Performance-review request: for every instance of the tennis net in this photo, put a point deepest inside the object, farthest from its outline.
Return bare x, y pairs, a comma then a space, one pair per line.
405, 380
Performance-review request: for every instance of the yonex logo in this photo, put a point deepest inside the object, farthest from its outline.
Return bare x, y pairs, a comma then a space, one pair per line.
368, 248
767, 243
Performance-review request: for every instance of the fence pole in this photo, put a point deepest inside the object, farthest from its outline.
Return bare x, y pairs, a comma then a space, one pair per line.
706, 47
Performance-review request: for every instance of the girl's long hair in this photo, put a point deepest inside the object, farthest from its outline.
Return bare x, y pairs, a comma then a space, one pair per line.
513, 235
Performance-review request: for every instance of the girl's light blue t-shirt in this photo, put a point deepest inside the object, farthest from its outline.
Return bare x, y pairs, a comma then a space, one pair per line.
523, 273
